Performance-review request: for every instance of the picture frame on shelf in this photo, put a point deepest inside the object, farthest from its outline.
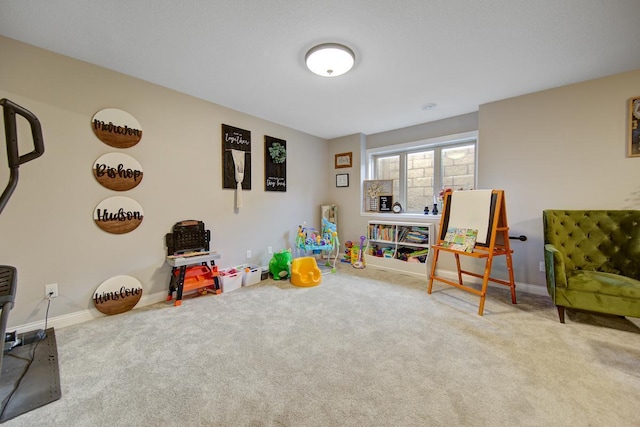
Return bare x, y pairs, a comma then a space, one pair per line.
372, 190
385, 203
343, 160
633, 143
342, 180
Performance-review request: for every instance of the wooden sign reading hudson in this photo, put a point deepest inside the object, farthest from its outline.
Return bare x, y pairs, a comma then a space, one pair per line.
118, 215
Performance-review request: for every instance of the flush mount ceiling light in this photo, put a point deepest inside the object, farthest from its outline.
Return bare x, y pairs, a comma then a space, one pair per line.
329, 59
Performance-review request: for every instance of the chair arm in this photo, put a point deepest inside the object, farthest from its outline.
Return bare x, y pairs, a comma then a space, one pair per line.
555, 269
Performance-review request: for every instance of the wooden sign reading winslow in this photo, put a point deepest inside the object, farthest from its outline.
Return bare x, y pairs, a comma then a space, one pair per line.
275, 164
117, 171
118, 215
116, 128
117, 295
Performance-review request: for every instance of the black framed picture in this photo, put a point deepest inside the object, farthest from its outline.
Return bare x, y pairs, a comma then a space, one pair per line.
385, 203
342, 180
236, 157
275, 164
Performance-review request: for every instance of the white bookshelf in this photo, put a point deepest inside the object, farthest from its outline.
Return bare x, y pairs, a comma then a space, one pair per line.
400, 241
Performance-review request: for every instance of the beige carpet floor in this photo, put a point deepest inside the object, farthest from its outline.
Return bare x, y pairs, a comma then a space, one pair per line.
365, 348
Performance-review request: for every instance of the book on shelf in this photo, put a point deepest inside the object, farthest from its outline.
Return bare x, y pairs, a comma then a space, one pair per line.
382, 232
460, 239
419, 235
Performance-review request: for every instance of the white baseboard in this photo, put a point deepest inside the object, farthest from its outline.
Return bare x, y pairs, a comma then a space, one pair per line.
84, 315
90, 314
520, 286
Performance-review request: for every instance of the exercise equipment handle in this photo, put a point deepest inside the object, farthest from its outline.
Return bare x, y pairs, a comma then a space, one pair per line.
14, 158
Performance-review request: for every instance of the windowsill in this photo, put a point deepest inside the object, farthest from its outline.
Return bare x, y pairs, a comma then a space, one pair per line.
402, 216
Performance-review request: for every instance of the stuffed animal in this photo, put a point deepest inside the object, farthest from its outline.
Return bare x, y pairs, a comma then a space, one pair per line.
280, 264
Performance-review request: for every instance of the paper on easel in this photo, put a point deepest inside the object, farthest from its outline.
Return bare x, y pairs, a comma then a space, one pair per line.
471, 209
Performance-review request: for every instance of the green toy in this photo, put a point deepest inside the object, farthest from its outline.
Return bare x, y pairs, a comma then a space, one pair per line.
280, 264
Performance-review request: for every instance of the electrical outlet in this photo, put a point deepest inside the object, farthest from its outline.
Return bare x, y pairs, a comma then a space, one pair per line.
51, 289
542, 266
269, 250
248, 253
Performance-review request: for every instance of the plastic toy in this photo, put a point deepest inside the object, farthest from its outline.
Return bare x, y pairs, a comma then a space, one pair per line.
305, 272
346, 256
360, 260
310, 240
280, 264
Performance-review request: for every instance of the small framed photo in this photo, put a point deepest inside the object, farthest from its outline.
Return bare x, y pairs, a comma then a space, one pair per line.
343, 160
633, 145
385, 203
342, 180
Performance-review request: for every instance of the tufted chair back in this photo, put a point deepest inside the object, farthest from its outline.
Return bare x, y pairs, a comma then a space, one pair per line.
598, 240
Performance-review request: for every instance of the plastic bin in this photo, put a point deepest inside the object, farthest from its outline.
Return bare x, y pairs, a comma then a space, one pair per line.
252, 275
230, 279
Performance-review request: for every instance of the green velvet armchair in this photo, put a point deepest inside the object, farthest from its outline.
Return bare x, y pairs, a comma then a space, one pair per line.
592, 260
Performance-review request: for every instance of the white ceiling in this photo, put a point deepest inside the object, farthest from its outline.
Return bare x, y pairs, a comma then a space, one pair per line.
248, 55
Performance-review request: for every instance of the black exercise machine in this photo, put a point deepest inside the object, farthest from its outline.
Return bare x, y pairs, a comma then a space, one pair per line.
8, 274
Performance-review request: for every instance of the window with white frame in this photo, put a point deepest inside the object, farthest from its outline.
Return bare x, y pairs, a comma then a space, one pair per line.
421, 170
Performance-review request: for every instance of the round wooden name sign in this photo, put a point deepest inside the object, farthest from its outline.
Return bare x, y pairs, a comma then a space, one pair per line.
116, 128
117, 171
118, 215
117, 295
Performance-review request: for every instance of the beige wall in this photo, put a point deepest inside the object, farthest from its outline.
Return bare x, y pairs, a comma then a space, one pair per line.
346, 198
561, 148
47, 229
459, 124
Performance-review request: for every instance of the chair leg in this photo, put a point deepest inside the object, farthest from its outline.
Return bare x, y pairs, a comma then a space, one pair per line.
560, 313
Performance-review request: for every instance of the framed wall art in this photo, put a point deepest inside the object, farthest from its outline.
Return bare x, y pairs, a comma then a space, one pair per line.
372, 190
275, 164
342, 180
236, 157
633, 145
343, 160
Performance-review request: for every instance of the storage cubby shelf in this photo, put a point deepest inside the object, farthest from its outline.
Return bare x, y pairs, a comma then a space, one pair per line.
405, 246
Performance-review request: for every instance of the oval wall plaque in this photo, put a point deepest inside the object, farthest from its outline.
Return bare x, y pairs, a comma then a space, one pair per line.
117, 294
117, 171
118, 215
116, 128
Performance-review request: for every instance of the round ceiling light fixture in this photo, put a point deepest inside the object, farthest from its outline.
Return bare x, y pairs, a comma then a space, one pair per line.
330, 59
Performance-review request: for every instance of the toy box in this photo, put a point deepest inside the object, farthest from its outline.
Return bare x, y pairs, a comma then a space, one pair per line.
251, 275
230, 279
